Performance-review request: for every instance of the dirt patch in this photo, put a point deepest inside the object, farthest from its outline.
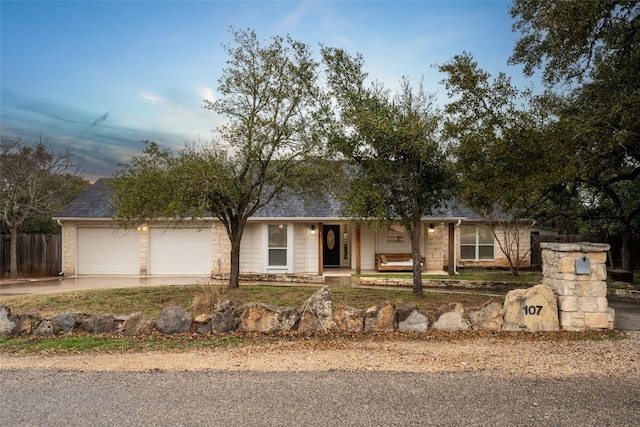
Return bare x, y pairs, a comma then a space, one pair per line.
504, 356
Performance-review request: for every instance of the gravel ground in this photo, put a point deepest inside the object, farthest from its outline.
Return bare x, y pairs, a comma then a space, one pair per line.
504, 356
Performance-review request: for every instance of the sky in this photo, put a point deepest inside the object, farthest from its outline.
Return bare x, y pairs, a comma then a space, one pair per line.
101, 77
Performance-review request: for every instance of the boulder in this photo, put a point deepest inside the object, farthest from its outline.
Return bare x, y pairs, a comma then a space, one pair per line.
414, 322
349, 319
534, 309
44, 328
98, 324
380, 318
258, 317
451, 319
65, 321
202, 323
488, 318
7, 324
173, 320
225, 318
135, 324
316, 313
26, 323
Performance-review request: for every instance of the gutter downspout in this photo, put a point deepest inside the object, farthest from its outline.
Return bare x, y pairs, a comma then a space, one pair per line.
61, 272
455, 267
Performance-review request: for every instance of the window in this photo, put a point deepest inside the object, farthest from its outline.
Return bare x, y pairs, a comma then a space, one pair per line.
396, 233
277, 245
476, 243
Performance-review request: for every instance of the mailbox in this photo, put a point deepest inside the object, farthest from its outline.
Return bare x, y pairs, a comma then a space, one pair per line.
583, 265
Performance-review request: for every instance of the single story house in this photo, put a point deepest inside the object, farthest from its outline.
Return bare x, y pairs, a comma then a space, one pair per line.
292, 237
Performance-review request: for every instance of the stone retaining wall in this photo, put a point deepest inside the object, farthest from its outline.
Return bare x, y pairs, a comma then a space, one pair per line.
524, 310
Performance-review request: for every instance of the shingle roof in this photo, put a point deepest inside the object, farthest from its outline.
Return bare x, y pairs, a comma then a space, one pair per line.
95, 202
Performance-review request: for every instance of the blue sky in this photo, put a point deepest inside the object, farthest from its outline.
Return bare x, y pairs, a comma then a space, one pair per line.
101, 77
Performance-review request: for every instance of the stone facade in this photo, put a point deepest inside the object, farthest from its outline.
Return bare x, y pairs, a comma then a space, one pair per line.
69, 233
576, 272
435, 252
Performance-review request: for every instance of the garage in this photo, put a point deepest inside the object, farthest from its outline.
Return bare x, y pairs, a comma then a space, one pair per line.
103, 250
181, 250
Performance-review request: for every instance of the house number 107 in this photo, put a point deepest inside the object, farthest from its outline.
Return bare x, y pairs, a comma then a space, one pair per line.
533, 310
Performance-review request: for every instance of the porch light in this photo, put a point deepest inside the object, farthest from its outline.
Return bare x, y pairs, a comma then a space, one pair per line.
313, 229
432, 228
142, 228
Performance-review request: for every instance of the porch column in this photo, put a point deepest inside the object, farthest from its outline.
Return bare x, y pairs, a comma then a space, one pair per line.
320, 257
358, 250
452, 249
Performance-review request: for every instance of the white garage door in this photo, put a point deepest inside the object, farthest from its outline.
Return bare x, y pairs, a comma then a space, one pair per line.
183, 250
108, 251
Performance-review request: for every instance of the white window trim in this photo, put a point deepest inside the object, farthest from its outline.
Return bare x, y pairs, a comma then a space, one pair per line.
289, 258
477, 245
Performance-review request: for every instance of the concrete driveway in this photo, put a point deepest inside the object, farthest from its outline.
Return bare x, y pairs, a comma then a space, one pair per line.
627, 314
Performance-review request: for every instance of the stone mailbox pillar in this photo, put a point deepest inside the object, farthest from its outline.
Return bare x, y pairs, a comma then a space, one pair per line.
576, 272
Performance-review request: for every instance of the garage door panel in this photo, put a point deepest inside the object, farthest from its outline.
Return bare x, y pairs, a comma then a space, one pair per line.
183, 250
108, 251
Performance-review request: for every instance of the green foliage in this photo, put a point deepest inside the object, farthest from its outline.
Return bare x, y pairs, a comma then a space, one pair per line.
505, 157
268, 149
401, 171
594, 47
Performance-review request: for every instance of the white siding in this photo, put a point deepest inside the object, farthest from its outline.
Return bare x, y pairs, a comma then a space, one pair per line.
252, 249
367, 249
305, 249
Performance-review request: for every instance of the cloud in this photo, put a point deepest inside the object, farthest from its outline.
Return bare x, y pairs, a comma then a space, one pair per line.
154, 99
207, 93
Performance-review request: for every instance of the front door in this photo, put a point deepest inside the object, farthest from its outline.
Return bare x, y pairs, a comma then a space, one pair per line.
331, 246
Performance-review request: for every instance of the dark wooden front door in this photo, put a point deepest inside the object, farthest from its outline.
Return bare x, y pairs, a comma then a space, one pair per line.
331, 246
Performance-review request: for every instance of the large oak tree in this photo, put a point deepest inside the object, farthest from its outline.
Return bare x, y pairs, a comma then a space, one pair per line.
401, 172
267, 149
590, 52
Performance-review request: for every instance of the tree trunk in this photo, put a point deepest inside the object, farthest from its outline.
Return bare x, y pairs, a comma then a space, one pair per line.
414, 234
234, 276
625, 250
13, 252
236, 228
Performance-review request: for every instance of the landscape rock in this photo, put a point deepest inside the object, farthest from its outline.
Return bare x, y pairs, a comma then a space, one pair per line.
452, 319
488, 318
44, 328
135, 324
7, 325
534, 309
258, 317
173, 320
225, 318
349, 319
98, 324
26, 323
380, 318
65, 321
415, 322
316, 313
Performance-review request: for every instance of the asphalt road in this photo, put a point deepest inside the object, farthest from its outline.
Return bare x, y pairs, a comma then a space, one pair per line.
159, 398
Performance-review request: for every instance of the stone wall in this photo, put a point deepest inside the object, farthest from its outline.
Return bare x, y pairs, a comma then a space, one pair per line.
315, 315
581, 290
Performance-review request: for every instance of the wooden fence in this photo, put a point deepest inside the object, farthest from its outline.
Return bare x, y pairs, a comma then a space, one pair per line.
39, 255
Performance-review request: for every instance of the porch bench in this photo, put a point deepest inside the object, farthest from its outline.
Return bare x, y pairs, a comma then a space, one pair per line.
621, 275
395, 262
